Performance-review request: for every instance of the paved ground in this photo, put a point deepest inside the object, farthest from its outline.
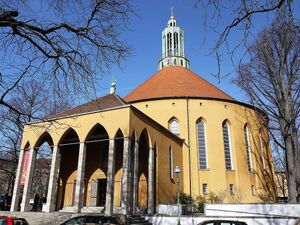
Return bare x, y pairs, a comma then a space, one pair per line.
40, 218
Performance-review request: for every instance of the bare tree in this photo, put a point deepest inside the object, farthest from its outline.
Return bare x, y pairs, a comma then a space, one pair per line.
64, 43
242, 17
272, 81
32, 100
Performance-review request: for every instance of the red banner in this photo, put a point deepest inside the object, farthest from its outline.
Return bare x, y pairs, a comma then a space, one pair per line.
24, 166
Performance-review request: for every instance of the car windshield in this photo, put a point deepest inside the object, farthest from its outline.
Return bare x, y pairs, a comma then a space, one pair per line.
77, 220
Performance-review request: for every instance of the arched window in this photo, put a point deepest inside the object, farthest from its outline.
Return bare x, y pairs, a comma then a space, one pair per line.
171, 161
227, 147
174, 126
248, 150
202, 154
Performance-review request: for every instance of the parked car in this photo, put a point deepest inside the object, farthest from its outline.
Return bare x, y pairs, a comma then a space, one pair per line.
92, 219
222, 222
5, 220
5, 201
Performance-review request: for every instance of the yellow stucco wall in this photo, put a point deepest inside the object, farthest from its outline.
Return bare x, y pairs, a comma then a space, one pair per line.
187, 112
132, 123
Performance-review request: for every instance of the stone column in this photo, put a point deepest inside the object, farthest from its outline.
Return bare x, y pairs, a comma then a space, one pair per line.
126, 179
135, 178
109, 201
52, 187
151, 163
25, 206
80, 178
16, 193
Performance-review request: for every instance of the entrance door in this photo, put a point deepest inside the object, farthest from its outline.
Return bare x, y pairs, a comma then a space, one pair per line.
93, 193
73, 192
101, 192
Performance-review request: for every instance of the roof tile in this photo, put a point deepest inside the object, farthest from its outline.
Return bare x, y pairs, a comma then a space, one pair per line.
175, 81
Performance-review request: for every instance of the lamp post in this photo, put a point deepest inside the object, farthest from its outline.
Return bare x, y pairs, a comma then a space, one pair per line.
177, 171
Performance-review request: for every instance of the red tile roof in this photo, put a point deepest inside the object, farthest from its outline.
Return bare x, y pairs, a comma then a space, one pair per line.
175, 81
105, 102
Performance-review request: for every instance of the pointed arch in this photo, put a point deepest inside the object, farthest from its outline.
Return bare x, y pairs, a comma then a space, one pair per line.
133, 135
45, 137
70, 136
98, 132
173, 125
143, 160
119, 133
247, 145
26, 146
145, 138
201, 144
227, 145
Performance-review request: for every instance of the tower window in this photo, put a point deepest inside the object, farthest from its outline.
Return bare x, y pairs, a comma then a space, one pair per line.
202, 159
176, 42
174, 61
248, 150
174, 127
227, 149
181, 62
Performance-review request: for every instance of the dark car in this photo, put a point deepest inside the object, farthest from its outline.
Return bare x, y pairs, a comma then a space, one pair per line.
5, 220
93, 219
222, 222
5, 202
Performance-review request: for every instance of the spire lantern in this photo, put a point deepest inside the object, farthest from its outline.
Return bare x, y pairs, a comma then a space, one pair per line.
173, 46
113, 86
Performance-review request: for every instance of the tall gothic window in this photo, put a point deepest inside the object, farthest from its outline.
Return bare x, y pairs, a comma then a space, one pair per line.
174, 126
248, 150
171, 162
227, 147
202, 154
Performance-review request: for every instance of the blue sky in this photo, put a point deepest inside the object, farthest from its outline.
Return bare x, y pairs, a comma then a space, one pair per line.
145, 38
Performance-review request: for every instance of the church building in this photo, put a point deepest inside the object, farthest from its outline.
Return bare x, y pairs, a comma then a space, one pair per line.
118, 155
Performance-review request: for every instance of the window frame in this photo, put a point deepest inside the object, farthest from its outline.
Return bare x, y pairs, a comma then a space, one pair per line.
205, 144
225, 122
173, 119
231, 189
205, 189
248, 148
171, 163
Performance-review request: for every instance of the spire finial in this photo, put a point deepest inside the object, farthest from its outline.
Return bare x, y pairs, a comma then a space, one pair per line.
113, 85
172, 11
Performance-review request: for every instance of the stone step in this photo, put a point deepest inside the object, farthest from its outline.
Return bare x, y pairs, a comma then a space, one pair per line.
136, 220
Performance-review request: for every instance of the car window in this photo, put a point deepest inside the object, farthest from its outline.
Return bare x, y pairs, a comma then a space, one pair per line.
93, 219
3, 222
226, 223
19, 222
77, 220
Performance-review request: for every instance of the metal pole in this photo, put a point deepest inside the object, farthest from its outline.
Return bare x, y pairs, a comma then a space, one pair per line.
178, 204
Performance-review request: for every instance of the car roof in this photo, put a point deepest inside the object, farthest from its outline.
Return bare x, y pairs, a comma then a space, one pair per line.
210, 221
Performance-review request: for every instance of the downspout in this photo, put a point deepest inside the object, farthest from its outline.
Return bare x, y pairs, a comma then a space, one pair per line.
189, 143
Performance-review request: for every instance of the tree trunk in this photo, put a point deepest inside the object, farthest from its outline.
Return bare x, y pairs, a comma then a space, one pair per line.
291, 169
